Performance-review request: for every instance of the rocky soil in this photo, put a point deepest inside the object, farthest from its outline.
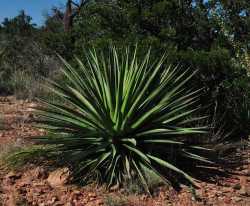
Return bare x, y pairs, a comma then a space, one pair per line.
43, 186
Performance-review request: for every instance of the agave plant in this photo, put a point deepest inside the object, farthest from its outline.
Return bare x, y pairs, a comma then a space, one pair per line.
121, 117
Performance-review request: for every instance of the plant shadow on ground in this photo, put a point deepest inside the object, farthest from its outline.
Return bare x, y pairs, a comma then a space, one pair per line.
224, 166
17, 157
228, 152
115, 201
226, 157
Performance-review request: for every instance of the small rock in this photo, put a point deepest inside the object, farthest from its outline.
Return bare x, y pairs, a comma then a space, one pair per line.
60, 203
59, 177
53, 200
114, 188
227, 200
99, 202
40, 172
13, 175
243, 192
143, 197
91, 198
237, 199
244, 189
219, 192
122, 190
237, 186
239, 168
37, 194
227, 190
92, 195
246, 172
77, 192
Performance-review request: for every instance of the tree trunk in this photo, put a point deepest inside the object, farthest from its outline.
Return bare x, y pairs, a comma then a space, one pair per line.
68, 17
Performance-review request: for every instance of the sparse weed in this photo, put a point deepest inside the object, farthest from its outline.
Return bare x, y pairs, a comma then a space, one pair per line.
17, 155
25, 85
6, 149
133, 187
21, 202
112, 200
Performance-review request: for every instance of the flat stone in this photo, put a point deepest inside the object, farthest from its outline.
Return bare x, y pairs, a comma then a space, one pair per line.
237, 199
59, 177
237, 186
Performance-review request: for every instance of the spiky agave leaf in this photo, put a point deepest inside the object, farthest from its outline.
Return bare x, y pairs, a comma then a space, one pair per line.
118, 112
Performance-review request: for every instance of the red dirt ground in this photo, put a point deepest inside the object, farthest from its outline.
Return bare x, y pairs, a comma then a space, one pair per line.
38, 185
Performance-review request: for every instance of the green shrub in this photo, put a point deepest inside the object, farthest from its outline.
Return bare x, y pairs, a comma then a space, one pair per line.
8, 149
122, 115
5, 86
26, 85
23, 84
16, 155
